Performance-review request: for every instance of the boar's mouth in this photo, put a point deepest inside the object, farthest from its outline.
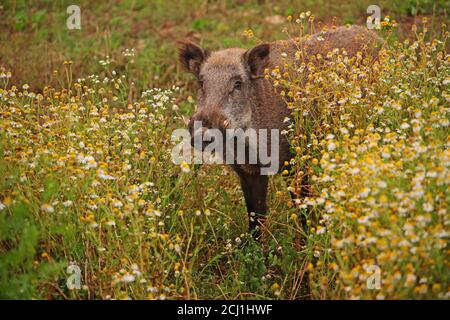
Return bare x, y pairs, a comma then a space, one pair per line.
201, 138
201, 134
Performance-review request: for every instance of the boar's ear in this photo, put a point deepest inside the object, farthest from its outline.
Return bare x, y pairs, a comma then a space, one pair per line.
192, 56
257, 58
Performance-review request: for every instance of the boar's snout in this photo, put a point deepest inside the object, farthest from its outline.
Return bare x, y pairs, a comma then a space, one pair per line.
208, 120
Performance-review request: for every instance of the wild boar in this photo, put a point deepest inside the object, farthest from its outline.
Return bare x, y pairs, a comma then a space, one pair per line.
233, 93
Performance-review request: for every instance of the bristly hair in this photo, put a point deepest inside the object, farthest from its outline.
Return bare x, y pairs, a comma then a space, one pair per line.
188, 51
256, 58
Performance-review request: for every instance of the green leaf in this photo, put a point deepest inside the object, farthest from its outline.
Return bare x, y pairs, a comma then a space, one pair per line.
39, 16
21, 19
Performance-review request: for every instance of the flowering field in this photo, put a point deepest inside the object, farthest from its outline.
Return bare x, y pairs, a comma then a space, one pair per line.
88, 188
372, 138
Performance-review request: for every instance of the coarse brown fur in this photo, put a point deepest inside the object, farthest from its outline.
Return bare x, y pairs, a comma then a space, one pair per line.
269, 108
256, 104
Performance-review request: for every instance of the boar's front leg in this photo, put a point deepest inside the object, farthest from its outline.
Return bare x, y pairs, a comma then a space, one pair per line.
254, 187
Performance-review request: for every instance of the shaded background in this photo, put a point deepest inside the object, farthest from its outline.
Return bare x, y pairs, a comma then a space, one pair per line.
34, 40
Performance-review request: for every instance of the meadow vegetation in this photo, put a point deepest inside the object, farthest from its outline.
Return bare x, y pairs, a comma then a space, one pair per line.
86, 177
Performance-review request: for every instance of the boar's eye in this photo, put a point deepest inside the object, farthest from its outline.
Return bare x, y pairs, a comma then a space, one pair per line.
237, 85
200, 84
